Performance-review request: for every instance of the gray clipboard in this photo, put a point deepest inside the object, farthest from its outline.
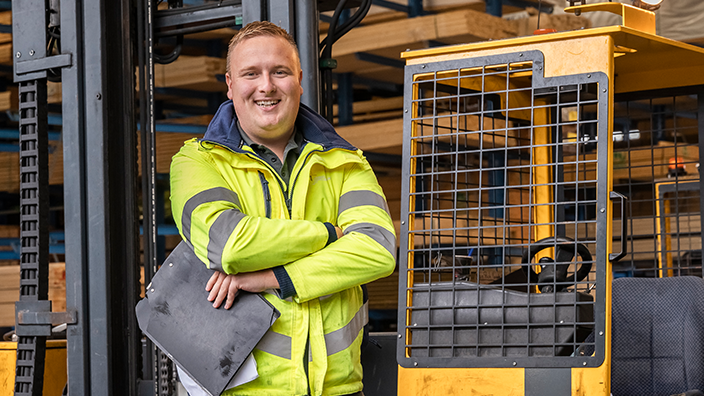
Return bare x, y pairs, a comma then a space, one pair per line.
209, 344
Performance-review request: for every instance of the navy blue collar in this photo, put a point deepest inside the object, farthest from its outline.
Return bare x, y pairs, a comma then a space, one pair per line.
315, 129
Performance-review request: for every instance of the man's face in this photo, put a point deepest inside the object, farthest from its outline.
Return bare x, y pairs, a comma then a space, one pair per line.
264, 83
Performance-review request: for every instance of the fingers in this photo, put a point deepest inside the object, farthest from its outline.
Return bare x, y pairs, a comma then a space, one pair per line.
232, 291
211, 282
213, 285
224, 288
222, 291
339, 232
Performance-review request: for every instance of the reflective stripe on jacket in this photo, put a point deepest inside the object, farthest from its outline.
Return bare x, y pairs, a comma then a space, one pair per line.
231, 207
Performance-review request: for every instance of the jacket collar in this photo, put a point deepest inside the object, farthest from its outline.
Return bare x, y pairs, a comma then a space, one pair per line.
223, 129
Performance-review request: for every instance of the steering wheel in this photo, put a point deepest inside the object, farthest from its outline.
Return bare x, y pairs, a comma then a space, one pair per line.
564, 253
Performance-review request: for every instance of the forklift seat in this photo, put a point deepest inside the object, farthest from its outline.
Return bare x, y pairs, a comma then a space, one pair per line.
658, 336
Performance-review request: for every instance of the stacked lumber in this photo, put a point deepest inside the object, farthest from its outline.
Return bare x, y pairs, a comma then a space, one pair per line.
191, 72
383, 293
642, 163
6, 19
10, 168
10, 291
9, 100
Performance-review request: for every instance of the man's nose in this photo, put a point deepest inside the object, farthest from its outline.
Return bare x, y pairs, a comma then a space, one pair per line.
267, 84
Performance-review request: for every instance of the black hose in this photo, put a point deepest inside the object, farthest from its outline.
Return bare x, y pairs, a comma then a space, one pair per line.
334, 34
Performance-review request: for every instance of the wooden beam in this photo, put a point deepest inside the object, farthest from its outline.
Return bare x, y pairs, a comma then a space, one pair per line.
6, 19
6, 54
191, 72
373, 136
468, 23
10, 290
9, 99
561, 23
375, 105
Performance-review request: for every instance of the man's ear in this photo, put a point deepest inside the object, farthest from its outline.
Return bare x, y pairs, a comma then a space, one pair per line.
300, 80
228, 81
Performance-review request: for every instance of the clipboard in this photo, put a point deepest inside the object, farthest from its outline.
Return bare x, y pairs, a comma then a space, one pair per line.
209, 344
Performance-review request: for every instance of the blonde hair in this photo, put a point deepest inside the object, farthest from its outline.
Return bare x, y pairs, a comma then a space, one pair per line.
258, 29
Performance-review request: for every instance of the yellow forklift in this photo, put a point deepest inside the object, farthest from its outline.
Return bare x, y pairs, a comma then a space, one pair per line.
537, 170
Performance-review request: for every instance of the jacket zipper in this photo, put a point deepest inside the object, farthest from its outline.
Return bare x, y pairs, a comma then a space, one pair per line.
267, 194
289, 195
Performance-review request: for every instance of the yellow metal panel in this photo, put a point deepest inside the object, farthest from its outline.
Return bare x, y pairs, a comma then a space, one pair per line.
644, 80
411, 217
592, 381
461, 381
54, 372
582, 55
633, 17
666, 260
542, 176
597, 381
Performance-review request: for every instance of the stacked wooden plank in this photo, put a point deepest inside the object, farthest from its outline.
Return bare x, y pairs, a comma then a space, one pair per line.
10, 168
10, 291
9, 99
6, 39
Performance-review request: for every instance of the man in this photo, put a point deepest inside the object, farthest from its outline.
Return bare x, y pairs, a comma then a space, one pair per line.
274, 201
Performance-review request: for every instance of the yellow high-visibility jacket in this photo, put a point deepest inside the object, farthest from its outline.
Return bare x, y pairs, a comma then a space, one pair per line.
230, 205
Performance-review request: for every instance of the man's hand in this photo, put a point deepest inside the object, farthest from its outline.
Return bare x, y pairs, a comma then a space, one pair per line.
223, 287
339, 232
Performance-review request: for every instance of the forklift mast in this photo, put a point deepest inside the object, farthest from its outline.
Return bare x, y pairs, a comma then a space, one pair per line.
93, 49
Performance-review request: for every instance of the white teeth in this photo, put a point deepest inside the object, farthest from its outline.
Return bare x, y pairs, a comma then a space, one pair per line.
266, 102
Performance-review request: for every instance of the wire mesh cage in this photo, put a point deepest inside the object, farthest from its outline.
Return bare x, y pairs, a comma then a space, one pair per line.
656, 164
503, 188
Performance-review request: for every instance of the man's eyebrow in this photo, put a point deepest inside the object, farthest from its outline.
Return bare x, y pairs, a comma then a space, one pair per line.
247, 69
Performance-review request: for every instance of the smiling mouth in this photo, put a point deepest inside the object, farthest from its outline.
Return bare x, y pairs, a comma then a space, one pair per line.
266, 103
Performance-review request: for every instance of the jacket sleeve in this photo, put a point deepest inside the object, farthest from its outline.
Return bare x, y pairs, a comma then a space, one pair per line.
366, 252
212, 219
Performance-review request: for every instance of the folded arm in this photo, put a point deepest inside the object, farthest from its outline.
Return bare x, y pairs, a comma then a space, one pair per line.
211, 217
366, 252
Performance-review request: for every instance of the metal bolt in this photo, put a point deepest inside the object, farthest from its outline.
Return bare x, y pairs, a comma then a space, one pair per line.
405, 110
486, 323
540, 68
584, 364
98, 96
602, 210
415, 324
589, 76
601, 333
521, 55
31, 52
403, 222
422, 67
562, 321
415, 364
408, 49
171, 264
18, 54
152, 290
604, 89
514, 363
399, 336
